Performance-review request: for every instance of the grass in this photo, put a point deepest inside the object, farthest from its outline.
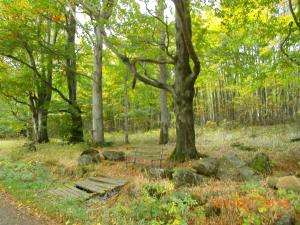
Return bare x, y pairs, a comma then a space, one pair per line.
30, 175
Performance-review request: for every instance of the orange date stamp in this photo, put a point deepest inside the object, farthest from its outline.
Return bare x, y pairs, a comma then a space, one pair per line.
250, 203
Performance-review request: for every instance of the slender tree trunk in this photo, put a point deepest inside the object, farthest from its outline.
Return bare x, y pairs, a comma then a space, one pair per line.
98, 126
76, 131
184, 93
42, 133
164, 117
126, 107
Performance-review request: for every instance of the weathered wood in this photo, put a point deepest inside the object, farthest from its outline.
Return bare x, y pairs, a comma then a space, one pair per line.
109, 180
78, 192
92, 186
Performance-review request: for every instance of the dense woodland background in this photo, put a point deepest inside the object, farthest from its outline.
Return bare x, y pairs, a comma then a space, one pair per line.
248, 51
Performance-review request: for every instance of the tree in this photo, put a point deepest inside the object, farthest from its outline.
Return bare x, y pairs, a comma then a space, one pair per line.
182, 90
77, 125
164, 115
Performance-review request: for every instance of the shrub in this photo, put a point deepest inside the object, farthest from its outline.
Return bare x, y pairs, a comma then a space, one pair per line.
157, 204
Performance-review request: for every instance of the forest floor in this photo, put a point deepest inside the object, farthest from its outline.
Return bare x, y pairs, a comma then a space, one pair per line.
30, 175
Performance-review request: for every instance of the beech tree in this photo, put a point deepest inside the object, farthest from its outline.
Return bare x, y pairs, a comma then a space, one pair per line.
182, 90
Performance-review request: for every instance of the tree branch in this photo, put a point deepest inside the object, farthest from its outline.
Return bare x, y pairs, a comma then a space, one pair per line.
284, 42
187, 36
294, 14
132, 66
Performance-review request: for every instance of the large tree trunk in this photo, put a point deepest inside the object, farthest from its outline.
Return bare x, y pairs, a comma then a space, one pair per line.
184, 92
164, 117
76, 132
98, 127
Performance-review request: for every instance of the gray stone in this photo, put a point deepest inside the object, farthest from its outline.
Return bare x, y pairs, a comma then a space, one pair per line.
232, 167
289, 183
272, 182
90, 156
285, 220
187, 177
114, 155
157, 173
262, 164
206, 166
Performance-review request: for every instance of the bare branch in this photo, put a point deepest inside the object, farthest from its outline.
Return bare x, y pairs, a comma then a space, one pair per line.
284, 42
294, 14
166, 25
159, 62
34, 68
132, 66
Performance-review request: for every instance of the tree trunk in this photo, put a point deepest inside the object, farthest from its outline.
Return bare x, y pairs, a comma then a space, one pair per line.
42, 133
97, 117
126, 107
184, 91
76, 130
164, 117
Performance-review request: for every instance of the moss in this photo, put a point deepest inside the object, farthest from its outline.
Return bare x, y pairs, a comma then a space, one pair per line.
262, 164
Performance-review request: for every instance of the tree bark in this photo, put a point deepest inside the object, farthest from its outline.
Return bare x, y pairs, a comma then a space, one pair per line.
184, 87
126, 109
164, 116
42, 133
76, 130
97, 117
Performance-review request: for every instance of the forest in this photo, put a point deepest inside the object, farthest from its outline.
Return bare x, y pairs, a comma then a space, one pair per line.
150, 112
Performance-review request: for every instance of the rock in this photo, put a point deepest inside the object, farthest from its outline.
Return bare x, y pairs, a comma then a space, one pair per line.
114, 155
232, 167
89, 157
261, 163
157, 173
187, 177
285, 220
30, 146
272, 182
289, 183
206, 166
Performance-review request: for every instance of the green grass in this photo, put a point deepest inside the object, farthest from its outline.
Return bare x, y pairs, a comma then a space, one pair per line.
30, 175
30, 183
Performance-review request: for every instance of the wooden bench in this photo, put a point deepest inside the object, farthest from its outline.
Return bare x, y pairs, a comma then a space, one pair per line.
146, 153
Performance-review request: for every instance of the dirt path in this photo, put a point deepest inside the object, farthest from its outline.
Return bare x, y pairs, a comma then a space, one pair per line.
11, 215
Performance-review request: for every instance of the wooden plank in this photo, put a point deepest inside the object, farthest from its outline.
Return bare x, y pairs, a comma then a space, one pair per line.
113, 179
91, 187
102, 184
66, 194
118, 182
77, 192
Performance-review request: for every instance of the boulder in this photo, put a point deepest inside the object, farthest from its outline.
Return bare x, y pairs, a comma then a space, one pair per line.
114, 155
272, 182
232, 167
289, 183
206, 166
262, 164
157, 173
90, 156
285, 220
187, 177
